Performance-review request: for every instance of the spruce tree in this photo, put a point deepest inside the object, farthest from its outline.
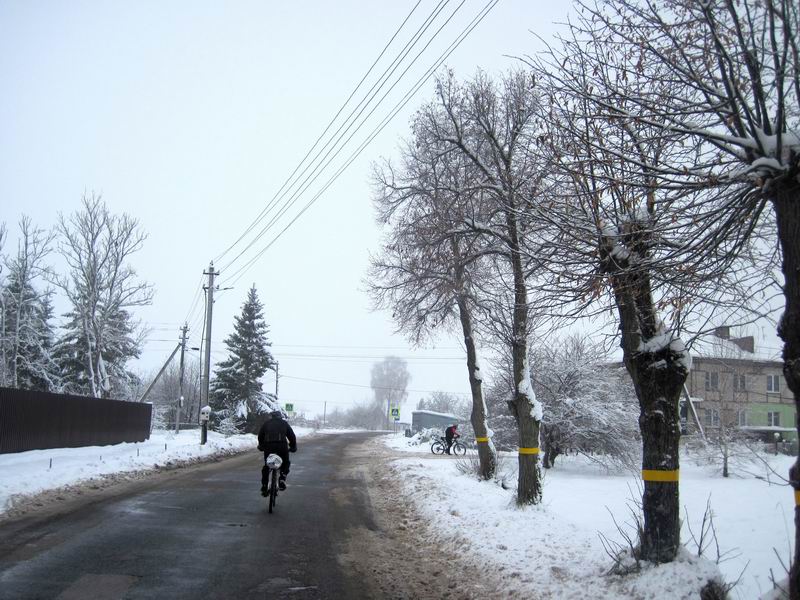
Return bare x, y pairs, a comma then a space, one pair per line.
236, 390
29, 337
26, 334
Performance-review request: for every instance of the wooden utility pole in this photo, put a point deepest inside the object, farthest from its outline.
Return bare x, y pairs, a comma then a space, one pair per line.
276, 381
184, 329
207, 359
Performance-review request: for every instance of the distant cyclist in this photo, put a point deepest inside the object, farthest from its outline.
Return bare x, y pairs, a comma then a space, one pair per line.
276, 437
450, 434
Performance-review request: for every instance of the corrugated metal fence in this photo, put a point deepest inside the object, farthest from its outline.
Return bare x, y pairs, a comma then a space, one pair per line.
38, 420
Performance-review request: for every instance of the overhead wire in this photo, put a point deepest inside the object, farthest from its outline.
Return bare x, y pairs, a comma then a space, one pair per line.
233, 279
369, 387
274, 199
305, 183
352, 129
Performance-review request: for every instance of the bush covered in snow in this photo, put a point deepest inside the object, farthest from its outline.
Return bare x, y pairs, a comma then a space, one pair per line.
425, 436
589, 405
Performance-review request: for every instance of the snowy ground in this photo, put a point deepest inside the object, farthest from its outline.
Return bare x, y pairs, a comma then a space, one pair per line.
24, 474
554, 550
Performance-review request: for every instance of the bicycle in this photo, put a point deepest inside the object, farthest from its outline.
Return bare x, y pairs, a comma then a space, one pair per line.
273, 462
440, 446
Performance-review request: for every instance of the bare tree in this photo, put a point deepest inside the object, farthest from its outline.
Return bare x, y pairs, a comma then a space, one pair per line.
389, 380
589, 404
427, 270
166, 394
102, 288
715, 84
443, 402
626, 237
491, 125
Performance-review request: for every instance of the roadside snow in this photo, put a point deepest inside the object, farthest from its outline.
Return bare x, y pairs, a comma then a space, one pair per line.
26, 473
554, 550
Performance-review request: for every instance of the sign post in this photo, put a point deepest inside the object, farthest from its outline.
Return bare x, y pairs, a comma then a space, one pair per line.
396, 417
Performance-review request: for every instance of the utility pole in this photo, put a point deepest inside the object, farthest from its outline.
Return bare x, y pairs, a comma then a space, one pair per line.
209, 308
276, 381
184, 329
324, 413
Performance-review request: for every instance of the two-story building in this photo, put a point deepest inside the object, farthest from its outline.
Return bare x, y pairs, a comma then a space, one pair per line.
734, 386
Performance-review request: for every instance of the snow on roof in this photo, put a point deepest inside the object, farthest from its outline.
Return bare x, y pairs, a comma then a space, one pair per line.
768, 428
714, 347
711, 346
435, 414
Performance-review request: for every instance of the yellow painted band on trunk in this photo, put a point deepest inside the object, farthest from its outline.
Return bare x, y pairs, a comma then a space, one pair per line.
797, 497
529, 451
665, 476
482, 440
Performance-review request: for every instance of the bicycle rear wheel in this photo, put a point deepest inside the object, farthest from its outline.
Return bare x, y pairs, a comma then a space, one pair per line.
458, 449
273, 489
437, 447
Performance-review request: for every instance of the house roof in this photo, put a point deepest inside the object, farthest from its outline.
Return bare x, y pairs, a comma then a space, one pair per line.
435, 414
731, 351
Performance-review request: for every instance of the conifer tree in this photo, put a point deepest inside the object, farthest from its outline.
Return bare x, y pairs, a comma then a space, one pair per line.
236, 391
26, 334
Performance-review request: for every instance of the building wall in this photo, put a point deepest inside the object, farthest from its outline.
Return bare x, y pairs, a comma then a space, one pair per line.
755, 373
754, 399
422, 420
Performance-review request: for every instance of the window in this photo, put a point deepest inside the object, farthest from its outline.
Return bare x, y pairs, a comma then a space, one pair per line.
773, 383
739, 382
712, 381
774, 419
712, 417
742, 418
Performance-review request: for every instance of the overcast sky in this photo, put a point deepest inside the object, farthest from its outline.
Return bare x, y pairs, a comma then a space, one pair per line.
191, 115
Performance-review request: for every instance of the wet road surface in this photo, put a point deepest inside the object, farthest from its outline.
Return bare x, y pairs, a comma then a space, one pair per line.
204, 532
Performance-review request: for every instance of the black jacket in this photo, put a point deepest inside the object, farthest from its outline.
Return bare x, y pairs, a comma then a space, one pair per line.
276, 432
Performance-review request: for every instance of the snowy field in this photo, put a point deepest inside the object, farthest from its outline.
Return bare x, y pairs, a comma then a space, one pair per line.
554, 550
25, 473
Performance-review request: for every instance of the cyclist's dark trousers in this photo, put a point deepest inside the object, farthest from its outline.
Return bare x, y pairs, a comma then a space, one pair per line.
281, 450
449, 441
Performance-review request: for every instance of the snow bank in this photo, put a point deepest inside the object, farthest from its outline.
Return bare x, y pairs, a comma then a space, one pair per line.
35, 471
554, 551
419, 442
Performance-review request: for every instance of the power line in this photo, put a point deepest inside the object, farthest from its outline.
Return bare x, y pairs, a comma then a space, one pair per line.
337, 148
280, 193
369, 387
453, 46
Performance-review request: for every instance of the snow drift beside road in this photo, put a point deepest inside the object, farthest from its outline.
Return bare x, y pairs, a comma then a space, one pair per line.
553, 550
24, 474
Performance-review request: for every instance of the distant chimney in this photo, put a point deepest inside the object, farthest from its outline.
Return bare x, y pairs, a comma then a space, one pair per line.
748, 344
723, 332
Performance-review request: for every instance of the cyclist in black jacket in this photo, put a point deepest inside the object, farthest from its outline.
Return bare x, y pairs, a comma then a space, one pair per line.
276, 437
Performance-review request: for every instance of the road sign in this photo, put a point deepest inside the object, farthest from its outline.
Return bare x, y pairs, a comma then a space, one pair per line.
289, 408
396, 414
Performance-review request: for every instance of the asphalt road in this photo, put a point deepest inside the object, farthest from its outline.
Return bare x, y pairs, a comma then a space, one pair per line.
202, 532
